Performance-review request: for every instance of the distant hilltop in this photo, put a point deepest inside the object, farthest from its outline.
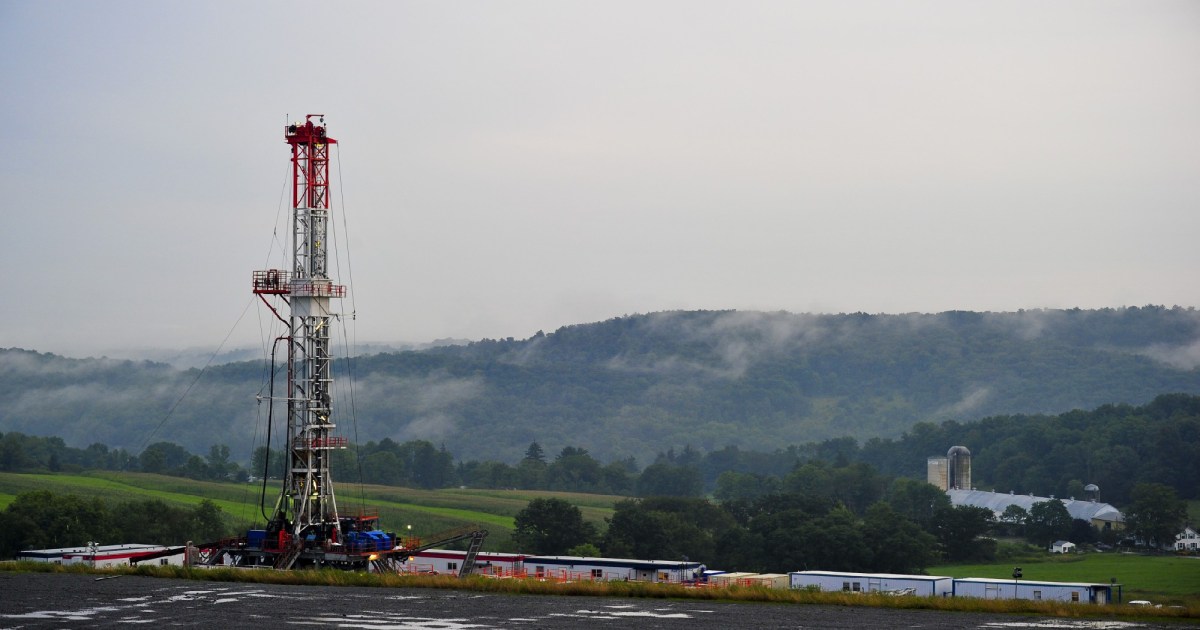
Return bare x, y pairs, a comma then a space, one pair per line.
637, 385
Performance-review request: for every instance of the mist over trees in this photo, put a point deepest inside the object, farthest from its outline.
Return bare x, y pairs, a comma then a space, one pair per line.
634, 386
1117, 447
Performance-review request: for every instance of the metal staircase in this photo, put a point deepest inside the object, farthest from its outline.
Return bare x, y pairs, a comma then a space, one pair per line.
288, 558
469, 561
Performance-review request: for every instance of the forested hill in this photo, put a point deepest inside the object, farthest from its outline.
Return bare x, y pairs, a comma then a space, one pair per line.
641, 384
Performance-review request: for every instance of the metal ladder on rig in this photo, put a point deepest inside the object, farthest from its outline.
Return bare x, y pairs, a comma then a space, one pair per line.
472, 551
288, 558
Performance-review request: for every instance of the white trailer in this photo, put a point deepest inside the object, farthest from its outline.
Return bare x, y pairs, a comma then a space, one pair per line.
576, 568
923, 585
448, 561
990, 588
105, 556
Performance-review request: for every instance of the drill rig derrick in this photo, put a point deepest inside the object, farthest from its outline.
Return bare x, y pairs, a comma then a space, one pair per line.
305, 528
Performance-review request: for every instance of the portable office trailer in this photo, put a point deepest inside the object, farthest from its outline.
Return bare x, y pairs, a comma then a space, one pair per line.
577, 568
103, 556
734, 578
449, 561
769, 580
989, 588
924, 585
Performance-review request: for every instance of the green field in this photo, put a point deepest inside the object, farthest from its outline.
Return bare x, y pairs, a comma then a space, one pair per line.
1162, 579
426, 511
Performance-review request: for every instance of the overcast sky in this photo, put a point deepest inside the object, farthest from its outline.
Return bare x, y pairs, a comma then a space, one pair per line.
506, 167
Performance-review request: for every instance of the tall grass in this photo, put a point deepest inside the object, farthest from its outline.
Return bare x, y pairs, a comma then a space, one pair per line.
755, 594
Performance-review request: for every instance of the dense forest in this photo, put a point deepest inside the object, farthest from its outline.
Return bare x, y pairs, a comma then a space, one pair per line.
637, 386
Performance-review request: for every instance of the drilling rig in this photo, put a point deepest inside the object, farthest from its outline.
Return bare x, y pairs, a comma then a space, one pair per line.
305, 529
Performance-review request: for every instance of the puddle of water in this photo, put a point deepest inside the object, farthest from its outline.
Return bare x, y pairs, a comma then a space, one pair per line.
389, 622
1080, 624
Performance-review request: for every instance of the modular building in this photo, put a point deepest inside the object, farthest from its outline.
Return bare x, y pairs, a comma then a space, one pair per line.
576, 568
439, 561
769, 580
104, 556
990, 588
923, 585
733, 578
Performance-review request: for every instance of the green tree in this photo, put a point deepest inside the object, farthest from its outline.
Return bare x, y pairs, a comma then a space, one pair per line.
733, 485
551, 527
574, 471
665, 528
41, 519
958, 531
163, 458
1014, 519
1157, 513
668, 480
531, 474
271, 461
535, 452
897, 544
917, 501
1048, 521
219, 466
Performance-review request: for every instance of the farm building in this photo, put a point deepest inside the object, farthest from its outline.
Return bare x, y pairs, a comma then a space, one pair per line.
103, 556
580, 568
1188, 540
923, 585
1100, 515
1062, 546
988, 588
449, 561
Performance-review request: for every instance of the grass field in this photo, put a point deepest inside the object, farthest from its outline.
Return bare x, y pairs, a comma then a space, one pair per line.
1162, 579
426, 511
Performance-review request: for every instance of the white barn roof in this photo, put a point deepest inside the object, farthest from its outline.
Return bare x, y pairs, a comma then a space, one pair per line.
996, 502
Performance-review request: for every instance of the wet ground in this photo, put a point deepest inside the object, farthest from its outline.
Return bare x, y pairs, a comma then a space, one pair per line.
38, 600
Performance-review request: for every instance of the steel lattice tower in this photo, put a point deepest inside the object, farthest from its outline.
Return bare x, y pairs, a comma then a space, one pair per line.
307, 507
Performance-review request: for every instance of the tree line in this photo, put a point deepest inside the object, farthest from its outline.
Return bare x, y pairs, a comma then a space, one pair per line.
862, 523
867, 523
45, 520
1116, 447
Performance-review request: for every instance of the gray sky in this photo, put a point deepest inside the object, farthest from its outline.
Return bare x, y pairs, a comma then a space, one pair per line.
507, 167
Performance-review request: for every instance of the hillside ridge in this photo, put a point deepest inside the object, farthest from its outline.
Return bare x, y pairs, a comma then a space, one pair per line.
640, 384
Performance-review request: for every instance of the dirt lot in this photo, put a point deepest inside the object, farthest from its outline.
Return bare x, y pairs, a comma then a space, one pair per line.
37, 600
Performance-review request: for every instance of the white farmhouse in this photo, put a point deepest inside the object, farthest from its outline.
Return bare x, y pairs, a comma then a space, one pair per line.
1189, 540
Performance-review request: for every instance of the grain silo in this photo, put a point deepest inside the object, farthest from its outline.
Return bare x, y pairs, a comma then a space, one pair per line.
936, 473
958, 469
